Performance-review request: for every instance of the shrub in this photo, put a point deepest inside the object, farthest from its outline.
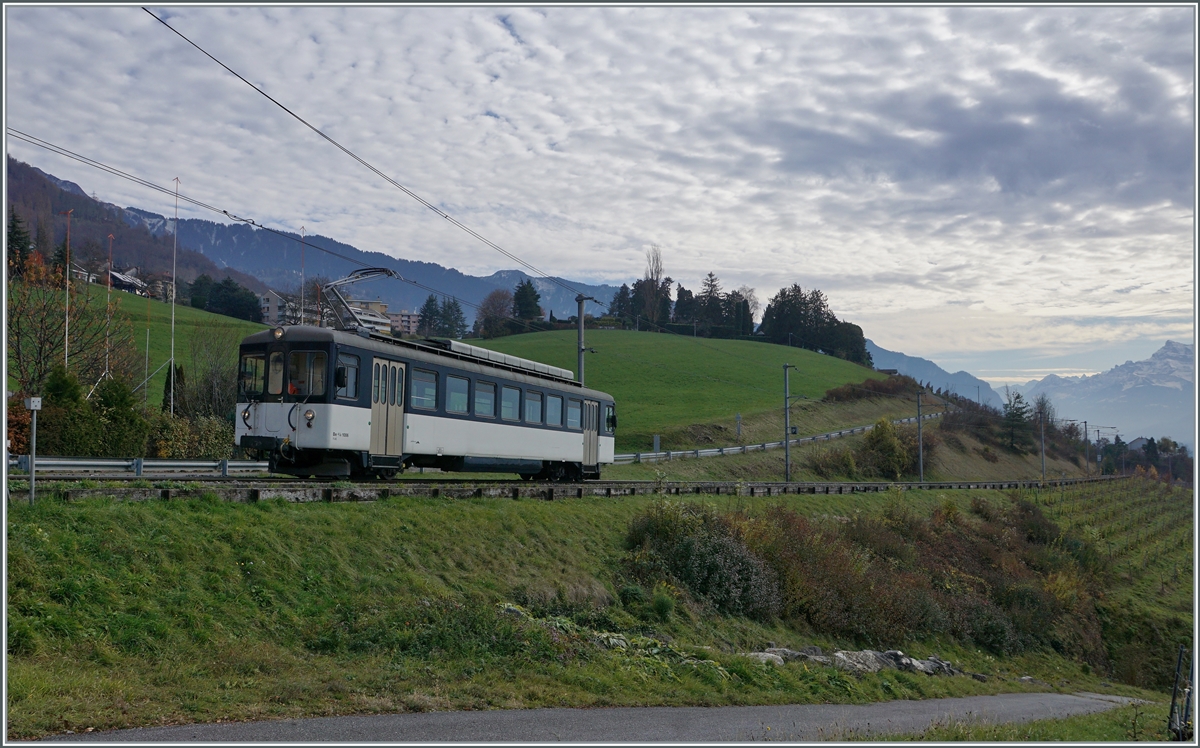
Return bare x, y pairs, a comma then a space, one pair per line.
837, 462
693, 544
894, 385
881, 452
179, 438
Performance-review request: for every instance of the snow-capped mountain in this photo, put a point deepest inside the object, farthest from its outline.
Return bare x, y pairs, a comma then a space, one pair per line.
1153, 398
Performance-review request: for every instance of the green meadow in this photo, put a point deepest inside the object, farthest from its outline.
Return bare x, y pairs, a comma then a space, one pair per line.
665, 383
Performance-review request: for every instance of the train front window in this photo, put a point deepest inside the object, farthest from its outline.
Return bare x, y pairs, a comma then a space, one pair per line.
275, 374
306, 373
252, 375
510, 403
456, 395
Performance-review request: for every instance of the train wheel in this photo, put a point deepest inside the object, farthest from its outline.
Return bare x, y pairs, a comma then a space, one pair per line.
558, 472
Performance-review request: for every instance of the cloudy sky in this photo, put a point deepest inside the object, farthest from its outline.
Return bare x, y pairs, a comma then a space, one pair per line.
1009, 191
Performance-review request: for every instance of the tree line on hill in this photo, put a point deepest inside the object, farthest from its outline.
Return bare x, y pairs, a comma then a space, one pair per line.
792, 317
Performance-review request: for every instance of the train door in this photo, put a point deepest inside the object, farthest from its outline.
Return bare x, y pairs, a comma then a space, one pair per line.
387, 407
591, 436
274, 415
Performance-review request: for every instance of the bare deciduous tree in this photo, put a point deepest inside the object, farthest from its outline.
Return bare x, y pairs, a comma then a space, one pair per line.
36, 322
747, 293
210, 387
494, 311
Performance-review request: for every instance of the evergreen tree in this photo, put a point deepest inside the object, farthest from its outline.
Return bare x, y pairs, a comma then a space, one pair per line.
1016, 420
525, 301
199, 290
685, 305
62, 388
59, 260
1150, 448
230, 299
17, 244
43, 242
451, 321
428, 322
622, 303
180, 388
710, 300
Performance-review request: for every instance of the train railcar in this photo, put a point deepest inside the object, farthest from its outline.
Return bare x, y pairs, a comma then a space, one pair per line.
322, 402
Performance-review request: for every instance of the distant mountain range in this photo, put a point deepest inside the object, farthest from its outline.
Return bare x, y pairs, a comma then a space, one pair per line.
1152, 398
275, 260
924, 370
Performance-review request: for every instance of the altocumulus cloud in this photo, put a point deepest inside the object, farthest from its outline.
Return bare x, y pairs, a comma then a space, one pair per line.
1031, 165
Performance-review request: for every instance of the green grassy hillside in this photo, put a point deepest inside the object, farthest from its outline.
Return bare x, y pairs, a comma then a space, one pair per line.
139, 309
665, 383
123, 614
187, 321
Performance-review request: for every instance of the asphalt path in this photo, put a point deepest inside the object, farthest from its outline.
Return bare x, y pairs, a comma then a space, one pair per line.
800, 722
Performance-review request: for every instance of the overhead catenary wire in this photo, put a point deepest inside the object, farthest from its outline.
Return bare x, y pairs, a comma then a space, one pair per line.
33, 140
407, 191
60, 150
383, 175
458, 224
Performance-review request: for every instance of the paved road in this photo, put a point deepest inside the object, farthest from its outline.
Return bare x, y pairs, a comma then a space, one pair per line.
806, 722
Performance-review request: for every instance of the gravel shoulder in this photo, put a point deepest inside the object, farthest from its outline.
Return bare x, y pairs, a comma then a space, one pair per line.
801, 722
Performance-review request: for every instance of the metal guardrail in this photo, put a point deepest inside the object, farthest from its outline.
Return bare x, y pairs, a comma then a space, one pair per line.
136, 465
741, 449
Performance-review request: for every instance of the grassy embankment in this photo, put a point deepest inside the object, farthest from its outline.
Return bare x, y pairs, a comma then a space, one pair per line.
133, 614
690, 391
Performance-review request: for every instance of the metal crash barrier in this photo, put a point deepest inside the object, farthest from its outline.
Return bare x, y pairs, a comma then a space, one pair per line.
136, 465
742, 449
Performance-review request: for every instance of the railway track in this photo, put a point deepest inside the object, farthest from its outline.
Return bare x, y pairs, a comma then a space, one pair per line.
248, 490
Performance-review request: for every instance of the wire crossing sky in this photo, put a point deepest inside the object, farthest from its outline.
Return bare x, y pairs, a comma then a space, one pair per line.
1006, 190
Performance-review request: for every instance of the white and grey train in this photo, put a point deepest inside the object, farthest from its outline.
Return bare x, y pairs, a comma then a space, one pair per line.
325, 402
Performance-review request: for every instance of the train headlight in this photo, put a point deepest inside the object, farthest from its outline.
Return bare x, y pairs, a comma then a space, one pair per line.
309, 415
278, 333
246, 417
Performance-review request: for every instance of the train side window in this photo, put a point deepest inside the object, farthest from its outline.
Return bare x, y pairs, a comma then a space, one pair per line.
533, 407
485, 399
375, 384
574, 407
346, 378
250, 381
553, 410
456, 394
610, 418
275, 374
424, 389
510, 404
